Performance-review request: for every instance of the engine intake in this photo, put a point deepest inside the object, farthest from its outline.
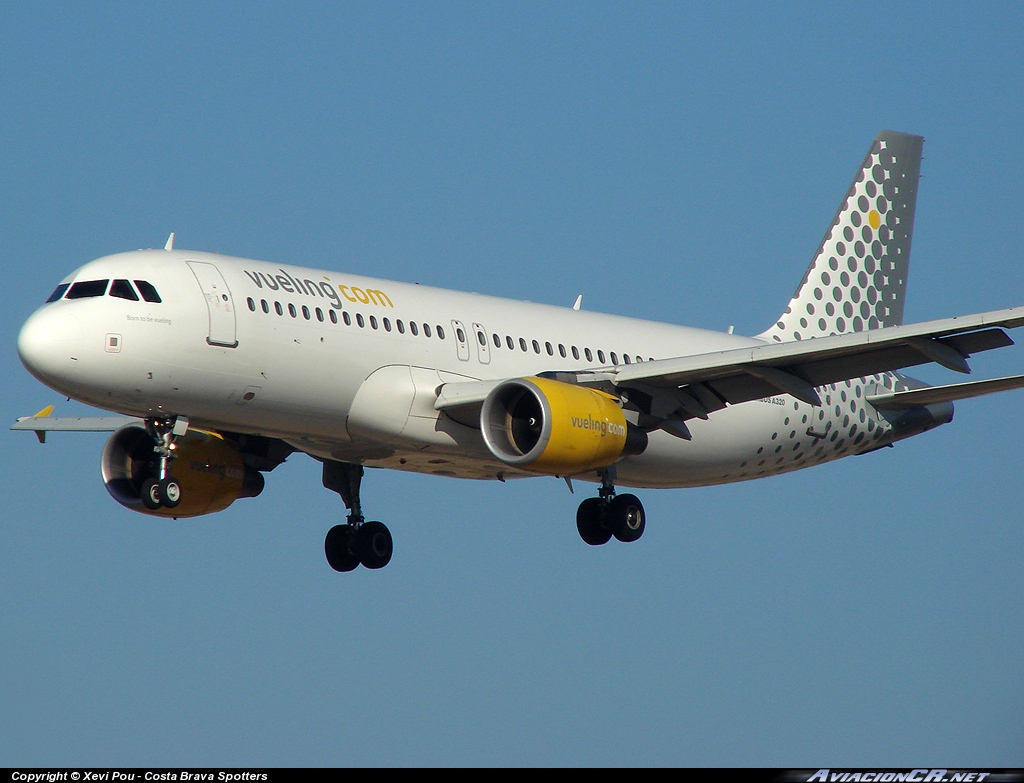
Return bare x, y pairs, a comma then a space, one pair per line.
208, 468
555, 428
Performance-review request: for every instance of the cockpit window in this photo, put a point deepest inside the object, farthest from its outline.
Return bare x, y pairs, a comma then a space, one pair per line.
87, 288
148, 292
123, 290
58, 292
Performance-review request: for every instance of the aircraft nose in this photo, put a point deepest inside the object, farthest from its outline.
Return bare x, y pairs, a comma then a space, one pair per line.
45, 345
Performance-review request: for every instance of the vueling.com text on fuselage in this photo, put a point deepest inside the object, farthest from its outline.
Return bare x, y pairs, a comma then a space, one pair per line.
282, 281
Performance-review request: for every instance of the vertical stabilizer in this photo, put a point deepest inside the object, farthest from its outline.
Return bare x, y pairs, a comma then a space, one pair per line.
858, 278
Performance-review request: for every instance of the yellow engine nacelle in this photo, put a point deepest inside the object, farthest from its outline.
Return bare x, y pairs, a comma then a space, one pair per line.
555, 428
208, 468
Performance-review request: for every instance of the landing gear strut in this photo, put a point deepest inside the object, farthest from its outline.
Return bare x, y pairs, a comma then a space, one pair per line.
600, 518
357, 541
162, 489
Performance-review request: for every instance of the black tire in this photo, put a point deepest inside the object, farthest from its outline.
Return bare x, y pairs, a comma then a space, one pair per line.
338, 547
170, 492
627, 517
591, 522
152, 497
374, 544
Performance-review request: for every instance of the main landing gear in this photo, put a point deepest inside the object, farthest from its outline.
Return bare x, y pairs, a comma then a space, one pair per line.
161, 489
357, 542
600, 518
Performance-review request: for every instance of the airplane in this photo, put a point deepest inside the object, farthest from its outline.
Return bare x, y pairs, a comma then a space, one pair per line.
219, 368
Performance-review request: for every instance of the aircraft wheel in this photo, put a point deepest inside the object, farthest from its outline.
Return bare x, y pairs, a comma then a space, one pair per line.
627, 517
374, 544
152, 497
590, 522
338, 548
170, 492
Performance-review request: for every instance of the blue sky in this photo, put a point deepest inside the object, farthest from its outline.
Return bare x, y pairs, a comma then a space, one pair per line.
673, 161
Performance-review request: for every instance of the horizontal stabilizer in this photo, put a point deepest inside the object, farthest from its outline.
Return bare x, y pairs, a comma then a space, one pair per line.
934, 394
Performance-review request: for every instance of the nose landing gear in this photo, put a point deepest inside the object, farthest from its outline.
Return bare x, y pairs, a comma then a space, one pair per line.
357, 542
600, 518
157, 493
162, 489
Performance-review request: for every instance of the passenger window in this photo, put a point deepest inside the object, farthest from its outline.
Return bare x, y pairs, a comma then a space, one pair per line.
522, 344
575, 352
122, 289
481, 339
373, 322
305, 312
148, 292
265, 305
414, 329
359, 320
549, 349
88, 288
508, 341
334, 317
319, 315
459, 333
536, 347
252, 304
387, 325
400, 326
561, 350
58, 292
588, 354
426, 330
291, 309
600, 356
440, 332
497, 341
278, 309
615, 359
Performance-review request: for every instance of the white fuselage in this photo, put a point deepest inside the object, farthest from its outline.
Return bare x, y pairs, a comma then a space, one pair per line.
347, 367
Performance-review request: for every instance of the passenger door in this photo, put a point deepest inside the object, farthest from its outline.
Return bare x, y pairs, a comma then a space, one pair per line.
219, 304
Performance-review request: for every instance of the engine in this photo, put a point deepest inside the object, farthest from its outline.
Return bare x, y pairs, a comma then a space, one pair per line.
208, 468
555, 428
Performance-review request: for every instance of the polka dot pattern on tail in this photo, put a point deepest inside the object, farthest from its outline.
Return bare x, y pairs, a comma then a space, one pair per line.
861, 266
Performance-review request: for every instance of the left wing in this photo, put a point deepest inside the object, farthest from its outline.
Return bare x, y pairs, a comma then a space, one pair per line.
694, 386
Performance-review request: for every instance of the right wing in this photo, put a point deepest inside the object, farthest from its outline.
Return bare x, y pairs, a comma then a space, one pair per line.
42, 423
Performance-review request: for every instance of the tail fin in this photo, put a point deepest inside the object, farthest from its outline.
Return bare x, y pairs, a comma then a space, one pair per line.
858, 278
